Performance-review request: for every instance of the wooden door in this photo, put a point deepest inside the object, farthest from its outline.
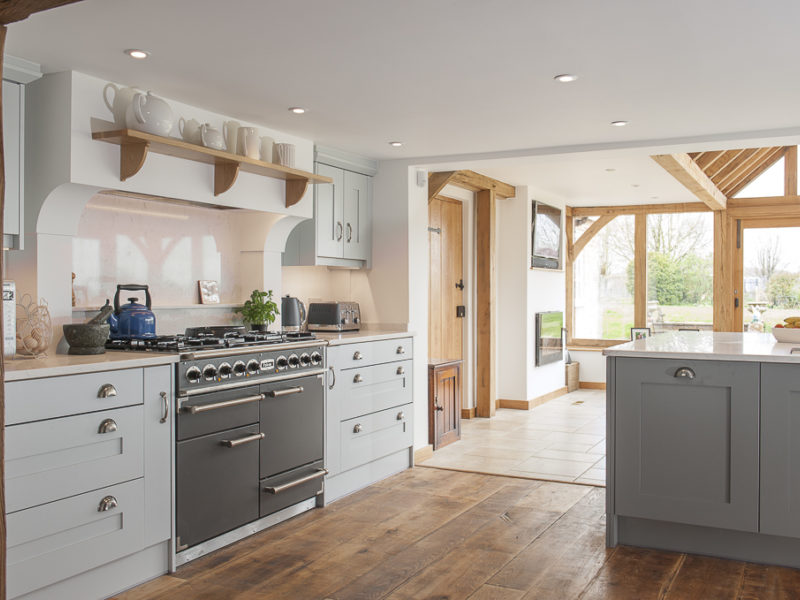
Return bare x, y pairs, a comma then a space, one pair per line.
445, 292
444, 400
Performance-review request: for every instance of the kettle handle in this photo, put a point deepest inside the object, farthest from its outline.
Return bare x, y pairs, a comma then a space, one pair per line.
132, 287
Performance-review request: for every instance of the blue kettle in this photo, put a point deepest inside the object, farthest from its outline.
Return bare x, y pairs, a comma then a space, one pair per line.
132, 320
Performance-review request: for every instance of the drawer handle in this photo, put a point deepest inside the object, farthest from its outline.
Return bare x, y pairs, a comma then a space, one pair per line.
333, 378
285, 392
193, 410
401, 370
685, 372
401, 350
358, 428
245, 440
165, 402
107, 426
401, 415
358, 355
107, 503
107, 391
282, 488
358, 378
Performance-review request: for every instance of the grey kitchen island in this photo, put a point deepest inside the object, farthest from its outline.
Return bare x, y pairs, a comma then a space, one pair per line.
704, 445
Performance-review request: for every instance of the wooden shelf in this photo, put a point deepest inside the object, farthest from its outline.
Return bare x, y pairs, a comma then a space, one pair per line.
134, 146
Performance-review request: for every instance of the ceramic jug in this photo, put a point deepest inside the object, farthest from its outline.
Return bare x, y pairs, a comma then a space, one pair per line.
248, 142
230, 130
211, 137
119, 101
150, 114
189, 130
284, 155
266, 148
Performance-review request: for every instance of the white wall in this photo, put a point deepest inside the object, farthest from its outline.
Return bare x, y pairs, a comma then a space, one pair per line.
593, 365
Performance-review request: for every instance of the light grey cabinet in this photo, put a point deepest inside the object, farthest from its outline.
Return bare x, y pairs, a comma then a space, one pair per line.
13, 157
780, 449
687, 442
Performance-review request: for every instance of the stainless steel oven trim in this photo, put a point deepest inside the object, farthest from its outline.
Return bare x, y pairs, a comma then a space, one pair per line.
249, 382
277, 489
221, 353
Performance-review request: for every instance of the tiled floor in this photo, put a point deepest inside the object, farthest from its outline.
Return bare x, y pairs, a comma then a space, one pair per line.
561, 440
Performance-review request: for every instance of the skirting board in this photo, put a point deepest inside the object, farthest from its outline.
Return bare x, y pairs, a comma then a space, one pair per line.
593, 385
468, 413
423, 453
529, 404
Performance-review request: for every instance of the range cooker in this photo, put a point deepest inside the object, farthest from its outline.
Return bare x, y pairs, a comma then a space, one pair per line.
249, 430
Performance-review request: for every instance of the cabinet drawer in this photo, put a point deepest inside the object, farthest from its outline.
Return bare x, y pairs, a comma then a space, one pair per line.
371, 353
47, 398
369, 437
370, 389
49, 543
53, 459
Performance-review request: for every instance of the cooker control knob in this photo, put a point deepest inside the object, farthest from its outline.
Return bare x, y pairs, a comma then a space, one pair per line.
316, 358
305, 359
239, 368
193, 375
209, 372
225, 370
294, 361
252, 366
281, 363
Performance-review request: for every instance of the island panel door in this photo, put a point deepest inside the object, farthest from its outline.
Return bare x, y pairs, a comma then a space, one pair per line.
686, 446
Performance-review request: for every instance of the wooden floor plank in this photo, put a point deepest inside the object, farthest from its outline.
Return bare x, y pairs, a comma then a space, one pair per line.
765, 582
634, 574
493, 592
706, 577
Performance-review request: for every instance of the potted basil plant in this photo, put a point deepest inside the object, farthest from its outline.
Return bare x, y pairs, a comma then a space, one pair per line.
259, 311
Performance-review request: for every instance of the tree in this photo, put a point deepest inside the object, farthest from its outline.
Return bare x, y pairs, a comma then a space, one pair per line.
768, 258
783, 290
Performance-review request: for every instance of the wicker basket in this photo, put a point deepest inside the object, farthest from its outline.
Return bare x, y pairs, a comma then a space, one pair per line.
572, 376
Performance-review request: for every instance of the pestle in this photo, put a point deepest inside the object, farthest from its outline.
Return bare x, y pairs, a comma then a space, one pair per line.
101, 317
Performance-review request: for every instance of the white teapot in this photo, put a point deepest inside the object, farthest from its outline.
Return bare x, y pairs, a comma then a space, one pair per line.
150, 114
189, 130
211, 137
119, 103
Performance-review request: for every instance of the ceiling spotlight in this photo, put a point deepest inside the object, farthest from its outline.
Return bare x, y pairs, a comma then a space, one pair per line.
634, 185
298, 110
565, 78
654, 197
610, 170
138, 54
395, 144
619, 123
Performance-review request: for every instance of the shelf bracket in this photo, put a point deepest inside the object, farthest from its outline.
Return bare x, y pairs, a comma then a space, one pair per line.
225, 174
295, 189
131, 158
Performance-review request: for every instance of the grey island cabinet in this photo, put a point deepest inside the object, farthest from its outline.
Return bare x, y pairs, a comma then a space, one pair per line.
704, 446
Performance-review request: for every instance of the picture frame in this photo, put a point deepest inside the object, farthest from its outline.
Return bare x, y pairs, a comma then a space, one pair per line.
640, 333
209, 291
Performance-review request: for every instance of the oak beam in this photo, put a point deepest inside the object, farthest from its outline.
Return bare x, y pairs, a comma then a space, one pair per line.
486, 393
569, 227
686, 171
640, 271
595, 228
681, 207
476, 182
18, 10
771, 157
723, 294
437, 182
790, 171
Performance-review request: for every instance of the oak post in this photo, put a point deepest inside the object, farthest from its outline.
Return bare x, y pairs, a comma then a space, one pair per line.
486, 394
640, 271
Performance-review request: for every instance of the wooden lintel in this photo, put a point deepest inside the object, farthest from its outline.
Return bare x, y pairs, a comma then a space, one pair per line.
11, 12
225, 174
131, 158
437, 181
596, 211
686, 171
295, 190
476, 182
587, 235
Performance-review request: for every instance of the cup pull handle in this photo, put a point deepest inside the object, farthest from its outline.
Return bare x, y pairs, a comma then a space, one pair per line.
106, 391
685, 372
107, 426
107, 503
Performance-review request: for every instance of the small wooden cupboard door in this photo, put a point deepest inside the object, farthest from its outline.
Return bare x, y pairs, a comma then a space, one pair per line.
444, 397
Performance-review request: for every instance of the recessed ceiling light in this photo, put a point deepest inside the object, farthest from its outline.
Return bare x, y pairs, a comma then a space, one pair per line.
654, 197
135, 53
565, 78
610, 170
395, 144
634, 185
619, 123
298, 110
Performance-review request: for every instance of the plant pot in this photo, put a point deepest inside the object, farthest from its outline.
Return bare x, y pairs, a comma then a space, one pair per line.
259, 327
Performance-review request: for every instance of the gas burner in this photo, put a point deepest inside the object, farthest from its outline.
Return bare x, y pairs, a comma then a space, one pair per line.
209, 338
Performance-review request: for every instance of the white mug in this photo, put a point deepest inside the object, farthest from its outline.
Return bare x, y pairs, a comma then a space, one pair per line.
248, 142
230, 130
266, 148
284, 155
189, 130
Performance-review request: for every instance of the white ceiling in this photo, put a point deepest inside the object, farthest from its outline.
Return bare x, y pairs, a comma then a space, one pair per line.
455, 77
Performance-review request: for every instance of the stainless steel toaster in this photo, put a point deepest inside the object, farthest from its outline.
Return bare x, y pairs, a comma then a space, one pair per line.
334, 316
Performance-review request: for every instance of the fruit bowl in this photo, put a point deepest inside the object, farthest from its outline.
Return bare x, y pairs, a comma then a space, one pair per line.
786, 335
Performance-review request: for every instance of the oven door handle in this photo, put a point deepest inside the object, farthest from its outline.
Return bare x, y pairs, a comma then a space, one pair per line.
286, 486
245, 440
201, 408
285, 392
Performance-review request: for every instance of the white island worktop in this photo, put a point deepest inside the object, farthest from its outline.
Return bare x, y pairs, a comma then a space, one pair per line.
706, 345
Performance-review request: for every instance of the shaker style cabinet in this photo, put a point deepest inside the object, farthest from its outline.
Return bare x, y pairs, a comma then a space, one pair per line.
13, 113
687, 442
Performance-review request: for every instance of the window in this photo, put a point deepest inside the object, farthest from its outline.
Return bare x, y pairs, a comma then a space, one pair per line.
603, 295
769, 183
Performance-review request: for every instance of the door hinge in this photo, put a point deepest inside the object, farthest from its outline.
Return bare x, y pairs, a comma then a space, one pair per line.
435, 229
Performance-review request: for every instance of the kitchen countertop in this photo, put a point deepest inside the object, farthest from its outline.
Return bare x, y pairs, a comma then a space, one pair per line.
66, 364
365, 335
759, 347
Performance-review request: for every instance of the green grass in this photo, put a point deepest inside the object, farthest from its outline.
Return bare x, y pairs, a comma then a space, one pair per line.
618, 319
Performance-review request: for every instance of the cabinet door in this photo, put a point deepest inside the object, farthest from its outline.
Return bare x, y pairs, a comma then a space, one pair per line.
780, 449
159, 423
445, 406
12, 105
329, 212
357, 225
687, 446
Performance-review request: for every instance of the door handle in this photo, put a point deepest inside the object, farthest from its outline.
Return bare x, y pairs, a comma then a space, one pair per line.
460, 284
165, 402
193, 410
333, 376
244, 440
339, 231
349, 232
286, 392
439, 407
282, 488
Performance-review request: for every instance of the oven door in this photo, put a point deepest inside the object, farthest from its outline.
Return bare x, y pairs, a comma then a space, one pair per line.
292, 415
